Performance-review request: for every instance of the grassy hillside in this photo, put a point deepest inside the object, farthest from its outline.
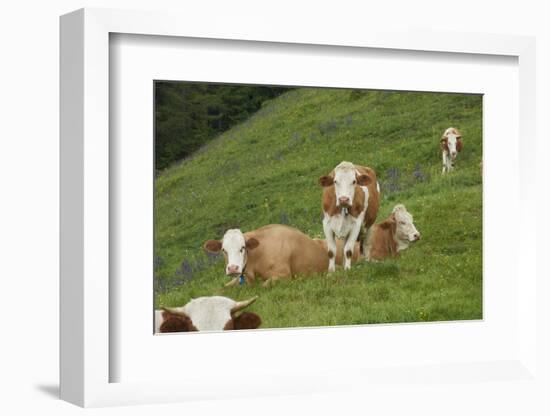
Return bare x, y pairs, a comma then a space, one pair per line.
265, 171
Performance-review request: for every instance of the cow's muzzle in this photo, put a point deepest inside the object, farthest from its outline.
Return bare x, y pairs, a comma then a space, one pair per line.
233, 269
344, 201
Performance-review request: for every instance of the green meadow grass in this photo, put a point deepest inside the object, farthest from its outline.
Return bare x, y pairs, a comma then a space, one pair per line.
265, 170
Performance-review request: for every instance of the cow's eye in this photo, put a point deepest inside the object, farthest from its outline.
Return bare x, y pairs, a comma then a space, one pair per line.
242, 249
335, 182
354, 182
402, 222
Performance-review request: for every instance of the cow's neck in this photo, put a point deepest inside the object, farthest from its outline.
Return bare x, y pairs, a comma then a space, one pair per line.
401, 245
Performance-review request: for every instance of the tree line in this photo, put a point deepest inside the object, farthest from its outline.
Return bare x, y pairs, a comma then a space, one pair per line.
187, 115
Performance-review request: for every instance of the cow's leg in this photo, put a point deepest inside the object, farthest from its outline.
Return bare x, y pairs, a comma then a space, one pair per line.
331, 245
444, 157
349, 245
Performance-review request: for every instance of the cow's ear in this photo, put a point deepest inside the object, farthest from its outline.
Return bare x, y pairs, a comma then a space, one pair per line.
252, 243
172, 322
459, 143
247, 320
326, 181
363, 180
387, 224
213, 246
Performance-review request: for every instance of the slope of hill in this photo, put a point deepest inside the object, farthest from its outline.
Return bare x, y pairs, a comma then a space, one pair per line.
265, 170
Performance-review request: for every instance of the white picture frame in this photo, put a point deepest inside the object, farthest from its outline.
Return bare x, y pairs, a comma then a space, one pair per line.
86, 357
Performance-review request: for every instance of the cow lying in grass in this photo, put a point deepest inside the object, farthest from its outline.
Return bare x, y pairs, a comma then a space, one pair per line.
350, 204
270, 252
451, 144
391, 236
383, 240
213, 313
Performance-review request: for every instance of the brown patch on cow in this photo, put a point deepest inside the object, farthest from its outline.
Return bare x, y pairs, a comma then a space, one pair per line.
229, 325
349, 254
363, 180
329, 201
213, 246
374, 195
247, 320
172, 322
275, 258
326, 181
382, 241
358, 205
252, 243
330, 254
444, 144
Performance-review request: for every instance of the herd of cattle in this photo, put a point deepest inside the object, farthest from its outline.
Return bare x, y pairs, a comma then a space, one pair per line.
350, 202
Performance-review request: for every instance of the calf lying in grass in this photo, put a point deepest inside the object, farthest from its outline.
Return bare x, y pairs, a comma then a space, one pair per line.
212, 313
391, 236
383, 240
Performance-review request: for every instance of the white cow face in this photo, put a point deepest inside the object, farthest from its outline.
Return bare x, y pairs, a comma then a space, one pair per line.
235, 249
405, 229
210, 313
452, 142
345, 180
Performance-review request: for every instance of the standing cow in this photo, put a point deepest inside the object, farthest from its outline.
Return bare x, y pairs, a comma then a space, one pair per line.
350, 203
270, 252
451, 144
385, 239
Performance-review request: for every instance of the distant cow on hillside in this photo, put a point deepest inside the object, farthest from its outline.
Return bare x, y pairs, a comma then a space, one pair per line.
212, 313
350, 203
271, 252
451, 144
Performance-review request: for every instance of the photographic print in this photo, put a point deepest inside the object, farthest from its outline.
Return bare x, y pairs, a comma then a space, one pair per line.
293, 207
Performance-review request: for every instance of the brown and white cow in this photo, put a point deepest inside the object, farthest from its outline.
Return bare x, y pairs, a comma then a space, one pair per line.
271, 252
394, 234
350, 204
211, 313
451, 144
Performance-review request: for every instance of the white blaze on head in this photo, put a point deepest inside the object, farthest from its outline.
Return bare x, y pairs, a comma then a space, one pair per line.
452, 136
234, 250
344, 183
405, 229
209, 313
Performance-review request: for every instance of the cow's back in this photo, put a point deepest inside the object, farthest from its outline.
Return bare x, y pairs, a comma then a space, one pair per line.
285, 251
374, 195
